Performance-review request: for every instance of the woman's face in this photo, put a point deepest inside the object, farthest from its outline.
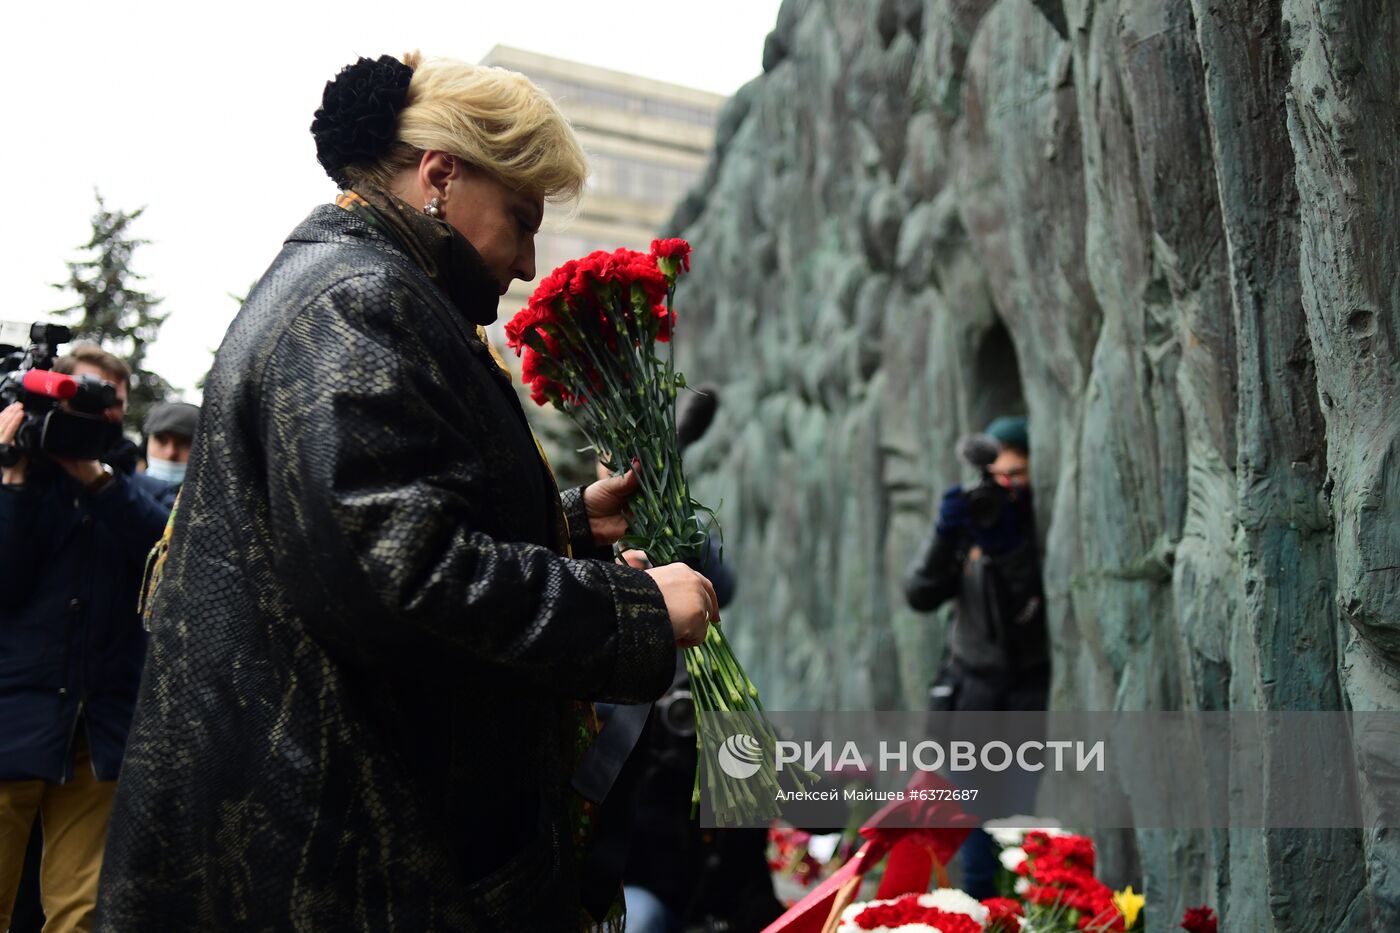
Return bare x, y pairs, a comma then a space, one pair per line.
499, 222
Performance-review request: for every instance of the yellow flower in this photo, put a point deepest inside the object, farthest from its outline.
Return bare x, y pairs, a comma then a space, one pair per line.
1128, 904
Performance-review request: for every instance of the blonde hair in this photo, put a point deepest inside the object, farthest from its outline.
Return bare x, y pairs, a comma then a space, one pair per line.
498, 121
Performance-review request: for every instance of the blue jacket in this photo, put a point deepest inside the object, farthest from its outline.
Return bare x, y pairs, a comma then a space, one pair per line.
71, 642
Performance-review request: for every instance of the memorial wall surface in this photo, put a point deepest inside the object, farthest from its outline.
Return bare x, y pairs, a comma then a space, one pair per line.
1166, 231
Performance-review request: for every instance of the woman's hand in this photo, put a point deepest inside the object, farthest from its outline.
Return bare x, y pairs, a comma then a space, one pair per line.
605, 502
690, 599
10, 420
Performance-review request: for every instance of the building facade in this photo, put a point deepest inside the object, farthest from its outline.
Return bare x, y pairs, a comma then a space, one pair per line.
647, 142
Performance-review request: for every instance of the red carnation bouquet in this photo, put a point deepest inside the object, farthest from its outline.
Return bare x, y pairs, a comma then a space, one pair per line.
1055, 877
589, 339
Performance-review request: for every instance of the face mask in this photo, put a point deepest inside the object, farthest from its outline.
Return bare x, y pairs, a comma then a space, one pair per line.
167, 471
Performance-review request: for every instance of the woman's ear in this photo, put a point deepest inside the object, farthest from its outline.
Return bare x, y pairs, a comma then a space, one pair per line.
435, 170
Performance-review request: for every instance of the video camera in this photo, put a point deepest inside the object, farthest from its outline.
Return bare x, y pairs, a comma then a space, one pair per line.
986, 500
676, 711
75, 430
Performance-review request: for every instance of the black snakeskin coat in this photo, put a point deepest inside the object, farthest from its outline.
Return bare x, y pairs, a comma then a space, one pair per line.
356, 708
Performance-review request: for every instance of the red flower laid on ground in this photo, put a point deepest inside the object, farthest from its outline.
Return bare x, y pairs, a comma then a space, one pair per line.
908, 910
1075, 853
1061, 874
1108, 920
1200, 920
1005, 914
1036, 843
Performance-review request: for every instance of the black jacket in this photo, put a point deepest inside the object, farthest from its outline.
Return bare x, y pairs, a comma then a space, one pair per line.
357, 711
71, 643
994, 573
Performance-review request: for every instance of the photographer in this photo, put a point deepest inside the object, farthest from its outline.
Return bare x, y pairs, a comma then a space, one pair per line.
983, 553
74, 535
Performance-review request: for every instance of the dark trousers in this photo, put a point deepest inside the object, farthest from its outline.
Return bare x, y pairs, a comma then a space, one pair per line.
1005, 794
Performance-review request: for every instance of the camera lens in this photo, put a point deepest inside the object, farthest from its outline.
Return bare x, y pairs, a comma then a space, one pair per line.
94, 395
676, 710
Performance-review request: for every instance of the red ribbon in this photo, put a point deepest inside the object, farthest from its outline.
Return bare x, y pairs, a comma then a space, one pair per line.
918, 837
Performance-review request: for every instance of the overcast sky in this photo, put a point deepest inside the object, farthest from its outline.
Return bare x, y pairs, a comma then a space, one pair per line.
200, 112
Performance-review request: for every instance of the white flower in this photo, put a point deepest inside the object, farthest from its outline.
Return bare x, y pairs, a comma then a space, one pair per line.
1022, 886
850, 913
948, 900
955, 902
1012, 830
1012, 858
822, 848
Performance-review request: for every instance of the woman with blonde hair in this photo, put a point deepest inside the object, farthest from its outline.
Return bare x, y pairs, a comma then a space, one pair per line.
378, 627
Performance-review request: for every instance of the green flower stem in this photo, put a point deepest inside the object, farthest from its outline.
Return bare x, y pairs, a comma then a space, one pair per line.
630, 413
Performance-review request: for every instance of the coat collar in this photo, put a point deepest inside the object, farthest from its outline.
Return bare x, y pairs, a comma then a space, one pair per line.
450, 261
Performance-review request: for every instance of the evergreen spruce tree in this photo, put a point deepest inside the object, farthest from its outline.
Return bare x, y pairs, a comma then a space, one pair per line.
112, 310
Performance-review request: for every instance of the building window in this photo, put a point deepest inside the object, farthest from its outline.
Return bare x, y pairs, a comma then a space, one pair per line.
573, 92
638, 179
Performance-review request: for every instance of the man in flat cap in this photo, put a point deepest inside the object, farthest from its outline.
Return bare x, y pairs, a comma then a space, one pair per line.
169, 430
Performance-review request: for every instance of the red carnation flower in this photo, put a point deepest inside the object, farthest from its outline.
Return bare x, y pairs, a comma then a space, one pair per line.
1036, 843
1105, 921
907, 910
552, 287
623, 267
666, 319
1044, 895
674, 249
1090, 896
1075, 850
1071, 852
542, 388
1064, 877
1004, 915
649, 279
525, 319
1200, 920
585, 273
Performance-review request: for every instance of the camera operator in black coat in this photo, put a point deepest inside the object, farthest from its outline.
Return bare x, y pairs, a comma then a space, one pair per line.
983, 553
74, 535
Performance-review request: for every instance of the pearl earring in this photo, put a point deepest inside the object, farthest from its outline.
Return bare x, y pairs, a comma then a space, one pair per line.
433, 208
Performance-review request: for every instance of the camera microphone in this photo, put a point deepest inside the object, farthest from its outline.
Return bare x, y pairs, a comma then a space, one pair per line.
694, 414
50, 384
987, 499
64, 415
979, 450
